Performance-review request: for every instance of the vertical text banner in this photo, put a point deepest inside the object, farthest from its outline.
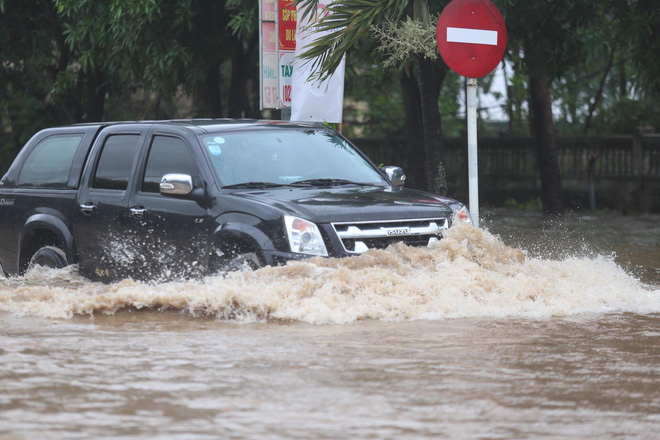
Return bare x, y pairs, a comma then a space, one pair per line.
287, 20
315, 100
268, 55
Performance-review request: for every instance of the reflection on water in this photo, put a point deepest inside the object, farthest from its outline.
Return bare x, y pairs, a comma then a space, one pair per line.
471, 339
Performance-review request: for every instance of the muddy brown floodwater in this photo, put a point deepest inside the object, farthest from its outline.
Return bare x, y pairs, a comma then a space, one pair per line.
531, 329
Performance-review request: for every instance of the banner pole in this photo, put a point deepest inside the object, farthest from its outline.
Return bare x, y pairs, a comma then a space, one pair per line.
473, 170
261, 58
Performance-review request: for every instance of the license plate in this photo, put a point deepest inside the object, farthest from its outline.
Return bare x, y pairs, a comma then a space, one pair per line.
398, 231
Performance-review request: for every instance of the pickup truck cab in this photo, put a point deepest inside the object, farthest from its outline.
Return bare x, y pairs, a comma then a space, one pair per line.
155, 200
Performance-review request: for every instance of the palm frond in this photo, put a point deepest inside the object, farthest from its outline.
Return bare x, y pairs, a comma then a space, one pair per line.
348, 21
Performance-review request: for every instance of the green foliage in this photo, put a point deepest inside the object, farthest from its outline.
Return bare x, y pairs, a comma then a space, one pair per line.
517, 88
66, 61
597, 56
402, 40
373, 95
453, 87
624, 115
87, 60
637, 24
23, 115
549, 34
244, 19
530, 205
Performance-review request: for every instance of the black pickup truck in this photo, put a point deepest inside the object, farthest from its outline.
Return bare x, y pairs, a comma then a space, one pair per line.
155, 200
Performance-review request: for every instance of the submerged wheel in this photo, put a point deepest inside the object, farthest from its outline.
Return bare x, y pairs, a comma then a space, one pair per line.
49, 256
232, 256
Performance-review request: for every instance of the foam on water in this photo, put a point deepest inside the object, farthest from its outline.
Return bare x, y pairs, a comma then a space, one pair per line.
470, 273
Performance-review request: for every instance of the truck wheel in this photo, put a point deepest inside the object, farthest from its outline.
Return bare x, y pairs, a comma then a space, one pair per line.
248, 261
48, 256
232, 257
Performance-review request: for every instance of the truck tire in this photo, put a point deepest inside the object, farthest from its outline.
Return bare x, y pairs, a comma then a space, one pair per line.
234, 256
48, 256
247, 261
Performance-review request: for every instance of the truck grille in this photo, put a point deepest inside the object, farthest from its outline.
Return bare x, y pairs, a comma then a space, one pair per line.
358, 237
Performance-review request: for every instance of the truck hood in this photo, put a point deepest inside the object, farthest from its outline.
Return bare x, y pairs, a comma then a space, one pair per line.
339, 204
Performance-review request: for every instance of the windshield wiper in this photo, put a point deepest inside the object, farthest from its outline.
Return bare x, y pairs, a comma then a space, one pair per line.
329, 182
251, 185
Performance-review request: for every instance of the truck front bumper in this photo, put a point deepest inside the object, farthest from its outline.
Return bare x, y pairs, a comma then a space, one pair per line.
279, 258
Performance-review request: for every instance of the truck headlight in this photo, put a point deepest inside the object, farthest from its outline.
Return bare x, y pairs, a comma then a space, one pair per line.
304, 237
463, 215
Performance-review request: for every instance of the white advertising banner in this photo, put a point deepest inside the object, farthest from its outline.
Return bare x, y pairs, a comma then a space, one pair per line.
314, 100
269, 65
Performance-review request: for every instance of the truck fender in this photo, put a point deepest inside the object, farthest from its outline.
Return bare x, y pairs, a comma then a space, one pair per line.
53, 224
243, 227
243, 232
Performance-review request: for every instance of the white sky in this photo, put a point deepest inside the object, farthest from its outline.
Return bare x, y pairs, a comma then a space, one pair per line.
493, 107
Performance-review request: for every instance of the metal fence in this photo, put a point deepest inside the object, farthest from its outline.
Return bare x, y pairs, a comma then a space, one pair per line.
615, 156
626, 169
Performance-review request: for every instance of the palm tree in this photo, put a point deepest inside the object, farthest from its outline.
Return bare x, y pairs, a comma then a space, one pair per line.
350, 20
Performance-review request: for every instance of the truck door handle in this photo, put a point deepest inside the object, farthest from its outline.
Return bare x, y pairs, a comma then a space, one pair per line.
88, 208
137, 211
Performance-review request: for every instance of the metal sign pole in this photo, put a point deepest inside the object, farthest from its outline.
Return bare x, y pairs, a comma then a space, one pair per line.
261, 57
277, 54
473, 171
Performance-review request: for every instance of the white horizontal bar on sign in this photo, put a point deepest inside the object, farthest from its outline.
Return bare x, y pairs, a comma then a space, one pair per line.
474, 36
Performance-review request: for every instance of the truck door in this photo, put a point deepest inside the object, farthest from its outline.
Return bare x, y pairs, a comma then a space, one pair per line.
102, 222
173, 229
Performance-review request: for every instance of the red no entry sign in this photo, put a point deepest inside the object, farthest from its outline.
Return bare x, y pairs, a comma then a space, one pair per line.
471, 37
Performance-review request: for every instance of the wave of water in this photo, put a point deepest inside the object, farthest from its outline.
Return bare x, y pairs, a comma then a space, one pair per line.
470, 273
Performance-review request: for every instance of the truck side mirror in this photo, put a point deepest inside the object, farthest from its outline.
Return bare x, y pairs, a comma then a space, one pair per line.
176, 184
396, 175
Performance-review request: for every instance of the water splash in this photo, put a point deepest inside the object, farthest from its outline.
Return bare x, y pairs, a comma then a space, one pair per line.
470, 273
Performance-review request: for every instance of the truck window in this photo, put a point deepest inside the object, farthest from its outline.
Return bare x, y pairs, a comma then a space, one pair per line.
114, 167
49, 163
286, 155
167, 155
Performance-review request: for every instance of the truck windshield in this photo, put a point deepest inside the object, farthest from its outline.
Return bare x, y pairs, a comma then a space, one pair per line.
286, 156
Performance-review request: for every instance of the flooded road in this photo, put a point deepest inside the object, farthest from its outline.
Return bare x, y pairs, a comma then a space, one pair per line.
535, 329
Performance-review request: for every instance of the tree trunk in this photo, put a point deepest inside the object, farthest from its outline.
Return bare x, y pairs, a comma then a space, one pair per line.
96, 91
252, 81
412, 106
649, 46
623, 81
546, 147
509, 98
236, 102
432, 122
599, 94
242, 63
211, 95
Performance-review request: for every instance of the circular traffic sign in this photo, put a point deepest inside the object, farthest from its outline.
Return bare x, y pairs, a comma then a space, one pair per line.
471, 37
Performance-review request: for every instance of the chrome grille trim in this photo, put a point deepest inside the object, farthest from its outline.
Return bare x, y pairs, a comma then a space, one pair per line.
359, 234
